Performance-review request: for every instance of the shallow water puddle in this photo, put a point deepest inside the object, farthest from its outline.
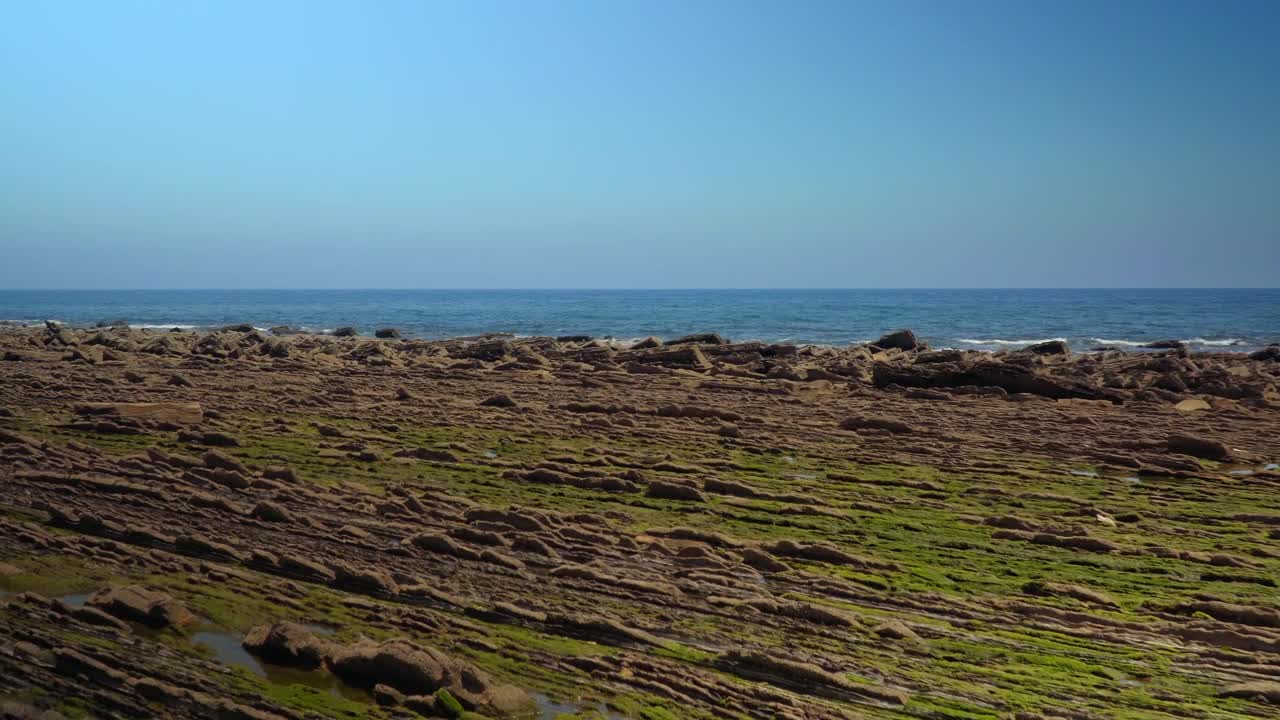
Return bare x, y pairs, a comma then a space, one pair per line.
549, 709
1239, 471
75, 600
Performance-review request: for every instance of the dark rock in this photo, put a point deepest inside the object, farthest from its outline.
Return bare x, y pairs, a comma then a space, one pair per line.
241, 328
387, 333
1165, 345
1198, 447
1050, 347
700, 338
901, 339
499, 400
345, 331
1271, 353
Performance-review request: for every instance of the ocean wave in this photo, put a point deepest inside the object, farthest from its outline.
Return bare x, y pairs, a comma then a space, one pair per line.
1127, 343
1214, 343
999, 341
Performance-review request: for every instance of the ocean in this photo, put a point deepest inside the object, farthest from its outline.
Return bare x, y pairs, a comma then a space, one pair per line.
1235, 319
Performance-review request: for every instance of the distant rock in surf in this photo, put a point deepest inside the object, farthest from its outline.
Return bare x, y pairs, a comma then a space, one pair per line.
1050, 347
701, 338
901, 340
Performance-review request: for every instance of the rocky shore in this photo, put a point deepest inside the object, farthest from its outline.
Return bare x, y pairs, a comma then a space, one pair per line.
244, 524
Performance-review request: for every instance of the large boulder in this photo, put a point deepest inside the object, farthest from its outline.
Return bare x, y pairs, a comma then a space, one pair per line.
1270, 352
1049, 347
900, 339
500, 400
700, 338
1198, 447
415, 669
287, 644
139, 604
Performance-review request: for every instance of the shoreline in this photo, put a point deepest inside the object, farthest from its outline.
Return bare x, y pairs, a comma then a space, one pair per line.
994, 346
647, 532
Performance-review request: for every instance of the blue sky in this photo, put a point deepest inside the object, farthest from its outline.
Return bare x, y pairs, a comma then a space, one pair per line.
664, 143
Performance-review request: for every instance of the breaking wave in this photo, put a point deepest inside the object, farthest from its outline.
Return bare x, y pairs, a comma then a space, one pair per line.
1214, 343
1126, 343
999, 341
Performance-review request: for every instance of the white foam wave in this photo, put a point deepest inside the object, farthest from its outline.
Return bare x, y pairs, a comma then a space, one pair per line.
1214, 343
999, 341
163, 326
1127, 343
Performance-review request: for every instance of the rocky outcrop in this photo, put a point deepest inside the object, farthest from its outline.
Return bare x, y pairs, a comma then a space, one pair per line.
415, 669
988, 373
142, 605
287, 644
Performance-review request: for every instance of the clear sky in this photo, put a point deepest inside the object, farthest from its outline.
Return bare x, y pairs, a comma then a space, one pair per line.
647, 143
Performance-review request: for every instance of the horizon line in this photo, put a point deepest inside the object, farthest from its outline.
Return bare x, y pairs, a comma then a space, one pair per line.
622, 289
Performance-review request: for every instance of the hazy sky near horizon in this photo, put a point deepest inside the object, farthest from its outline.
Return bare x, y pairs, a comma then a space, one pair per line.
662, 143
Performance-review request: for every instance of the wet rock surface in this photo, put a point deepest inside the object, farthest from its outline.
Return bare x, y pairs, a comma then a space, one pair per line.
700, 528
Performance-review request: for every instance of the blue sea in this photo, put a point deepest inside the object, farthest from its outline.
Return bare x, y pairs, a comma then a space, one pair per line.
979, 319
